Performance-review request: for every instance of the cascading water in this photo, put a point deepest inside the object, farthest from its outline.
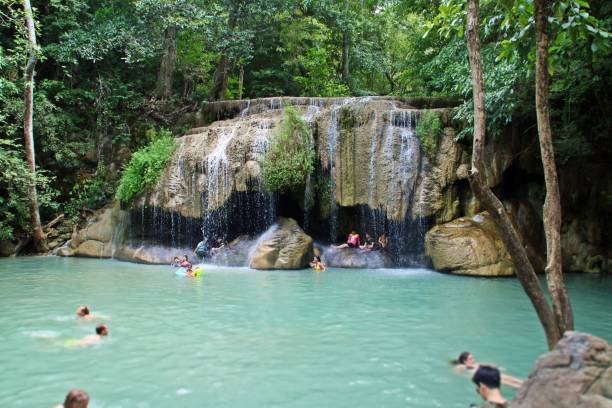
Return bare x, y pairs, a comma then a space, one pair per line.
214, 189
332, 145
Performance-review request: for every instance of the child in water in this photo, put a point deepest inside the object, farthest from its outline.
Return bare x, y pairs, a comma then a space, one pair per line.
317, 265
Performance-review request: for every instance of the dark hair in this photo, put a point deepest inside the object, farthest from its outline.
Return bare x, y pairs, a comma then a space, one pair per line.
100, 328
185, 256
76, 399
463, 357
317, 258
488, 376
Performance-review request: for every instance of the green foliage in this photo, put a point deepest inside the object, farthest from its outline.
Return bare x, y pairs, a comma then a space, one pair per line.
429, 131
91, 193
14, 180
291, 156
146, 166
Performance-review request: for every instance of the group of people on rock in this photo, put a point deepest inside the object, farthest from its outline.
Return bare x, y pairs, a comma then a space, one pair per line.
367, 244
488, 380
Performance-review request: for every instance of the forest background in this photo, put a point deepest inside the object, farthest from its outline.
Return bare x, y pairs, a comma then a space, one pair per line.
112, 74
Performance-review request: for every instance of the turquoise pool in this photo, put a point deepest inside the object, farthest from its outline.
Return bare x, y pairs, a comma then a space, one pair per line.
244, 338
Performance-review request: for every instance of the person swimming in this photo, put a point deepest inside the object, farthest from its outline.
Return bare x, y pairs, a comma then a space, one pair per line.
101, 331
176, 262
185, 262
466, 362
85, 313
76, 398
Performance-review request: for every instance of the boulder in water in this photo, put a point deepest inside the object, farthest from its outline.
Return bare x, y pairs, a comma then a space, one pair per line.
355, 258
95, 240
576, 374
284, 247
149, 254
468, 246
235, 253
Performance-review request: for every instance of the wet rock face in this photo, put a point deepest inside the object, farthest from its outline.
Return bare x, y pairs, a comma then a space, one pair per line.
150, 254
576, 374
468, 246
355, 258
285, 247
95, 240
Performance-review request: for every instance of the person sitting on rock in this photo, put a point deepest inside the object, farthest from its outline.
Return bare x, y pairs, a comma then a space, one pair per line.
185, 262
317, 265
487, 380
368, 243
352, 241
382, 243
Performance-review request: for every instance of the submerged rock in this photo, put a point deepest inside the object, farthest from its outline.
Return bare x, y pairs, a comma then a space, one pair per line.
285, 246
468, 246
576, 374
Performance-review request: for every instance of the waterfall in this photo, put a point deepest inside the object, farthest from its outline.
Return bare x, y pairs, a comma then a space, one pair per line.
332, 145
214, 189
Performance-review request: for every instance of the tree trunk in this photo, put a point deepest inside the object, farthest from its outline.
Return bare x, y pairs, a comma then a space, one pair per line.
240, 82
40, 240
552, 204
219, 89
168, 63
524, 270
346, 45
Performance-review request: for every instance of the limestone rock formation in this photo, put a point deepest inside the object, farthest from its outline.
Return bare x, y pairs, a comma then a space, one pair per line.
468, 246
7, 247
285, 246
95, 240
581, 253
576, 374
149, 254
355, 258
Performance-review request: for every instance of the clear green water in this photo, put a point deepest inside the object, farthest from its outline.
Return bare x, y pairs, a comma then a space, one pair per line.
243, 338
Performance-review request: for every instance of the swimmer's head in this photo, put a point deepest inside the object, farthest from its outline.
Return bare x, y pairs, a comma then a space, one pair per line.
76, 399
102, 330
466, 358
176, 258
82, 311
185, 257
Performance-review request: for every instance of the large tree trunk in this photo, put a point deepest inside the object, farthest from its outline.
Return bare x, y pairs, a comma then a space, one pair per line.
219, 89
552, 204
168, 63
524, 270
240, 82
346, 46
40, 241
